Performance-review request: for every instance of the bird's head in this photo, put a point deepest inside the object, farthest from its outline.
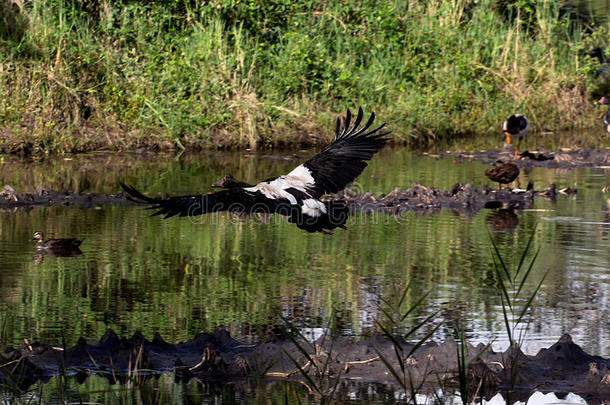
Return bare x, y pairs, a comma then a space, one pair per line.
37, 237
603, 100
226, 182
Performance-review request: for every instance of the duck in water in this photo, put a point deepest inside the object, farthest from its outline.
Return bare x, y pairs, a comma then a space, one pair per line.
53, 245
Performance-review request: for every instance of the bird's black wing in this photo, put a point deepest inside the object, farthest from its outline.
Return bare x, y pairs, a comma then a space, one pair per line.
342, 161
234, 200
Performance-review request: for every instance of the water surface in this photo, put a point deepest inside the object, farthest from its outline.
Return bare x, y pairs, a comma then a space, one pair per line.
181, 276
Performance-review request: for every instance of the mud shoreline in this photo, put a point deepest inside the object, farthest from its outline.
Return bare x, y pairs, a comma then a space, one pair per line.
564, 158
564, 367
460, 198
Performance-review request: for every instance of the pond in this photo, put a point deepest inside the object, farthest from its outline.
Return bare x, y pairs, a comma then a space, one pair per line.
181, 276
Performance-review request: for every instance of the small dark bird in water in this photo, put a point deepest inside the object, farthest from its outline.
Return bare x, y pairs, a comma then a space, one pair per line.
606, 117
296, 195
54, 244
548, 192
502, 173
537, 156
516, 125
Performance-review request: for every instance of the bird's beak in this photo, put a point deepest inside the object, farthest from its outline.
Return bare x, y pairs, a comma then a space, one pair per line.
218, 184
31, 239
507, 137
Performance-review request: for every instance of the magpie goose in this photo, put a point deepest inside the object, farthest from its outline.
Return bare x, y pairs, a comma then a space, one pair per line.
503, 173
516, 125
295, 195
606, 116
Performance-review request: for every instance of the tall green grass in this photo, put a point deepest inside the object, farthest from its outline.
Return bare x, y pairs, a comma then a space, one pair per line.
81, 75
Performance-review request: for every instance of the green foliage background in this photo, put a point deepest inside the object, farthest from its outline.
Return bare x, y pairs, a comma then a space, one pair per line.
80, 75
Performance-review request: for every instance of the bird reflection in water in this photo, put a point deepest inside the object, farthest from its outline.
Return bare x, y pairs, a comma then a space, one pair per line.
40, 254
504, 217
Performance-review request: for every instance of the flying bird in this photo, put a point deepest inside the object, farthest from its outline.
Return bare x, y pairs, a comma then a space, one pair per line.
295, 195
516, 125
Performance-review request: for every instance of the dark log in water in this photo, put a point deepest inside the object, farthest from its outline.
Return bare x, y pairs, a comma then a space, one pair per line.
460, 197
563, 367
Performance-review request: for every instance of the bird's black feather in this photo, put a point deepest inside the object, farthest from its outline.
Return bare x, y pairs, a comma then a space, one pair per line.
516, 123
341, 162
235, 200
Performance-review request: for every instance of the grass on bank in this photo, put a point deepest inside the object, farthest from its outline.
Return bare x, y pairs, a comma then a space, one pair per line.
84, 75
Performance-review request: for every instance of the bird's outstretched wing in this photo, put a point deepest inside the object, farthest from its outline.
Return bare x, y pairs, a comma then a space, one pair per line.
329, 171
334, 168
234, 200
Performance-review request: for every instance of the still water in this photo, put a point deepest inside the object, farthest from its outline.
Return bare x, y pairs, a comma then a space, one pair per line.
181, 276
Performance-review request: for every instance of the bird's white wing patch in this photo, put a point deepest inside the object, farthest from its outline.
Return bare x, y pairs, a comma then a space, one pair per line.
273, 190
300, 176
313, 207
300, 179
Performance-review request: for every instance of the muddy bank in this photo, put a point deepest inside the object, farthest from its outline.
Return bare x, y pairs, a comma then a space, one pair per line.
564, 158
460, 197
9, 198
564, 367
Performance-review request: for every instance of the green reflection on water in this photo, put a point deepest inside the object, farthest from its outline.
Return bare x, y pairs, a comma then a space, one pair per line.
180, 276
165, 389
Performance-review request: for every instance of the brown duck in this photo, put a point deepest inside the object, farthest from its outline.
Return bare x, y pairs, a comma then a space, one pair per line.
502, 173
54, 244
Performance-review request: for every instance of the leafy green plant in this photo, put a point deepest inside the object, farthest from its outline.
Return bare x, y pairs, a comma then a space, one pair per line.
516, 303
320, 379
395, 314
464, 360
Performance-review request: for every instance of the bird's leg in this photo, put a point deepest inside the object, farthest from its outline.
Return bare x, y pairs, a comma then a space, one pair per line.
343, 227
325, 232
517, 148
507, 137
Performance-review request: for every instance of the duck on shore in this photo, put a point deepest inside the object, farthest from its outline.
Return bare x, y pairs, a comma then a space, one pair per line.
296, 194
502, 173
